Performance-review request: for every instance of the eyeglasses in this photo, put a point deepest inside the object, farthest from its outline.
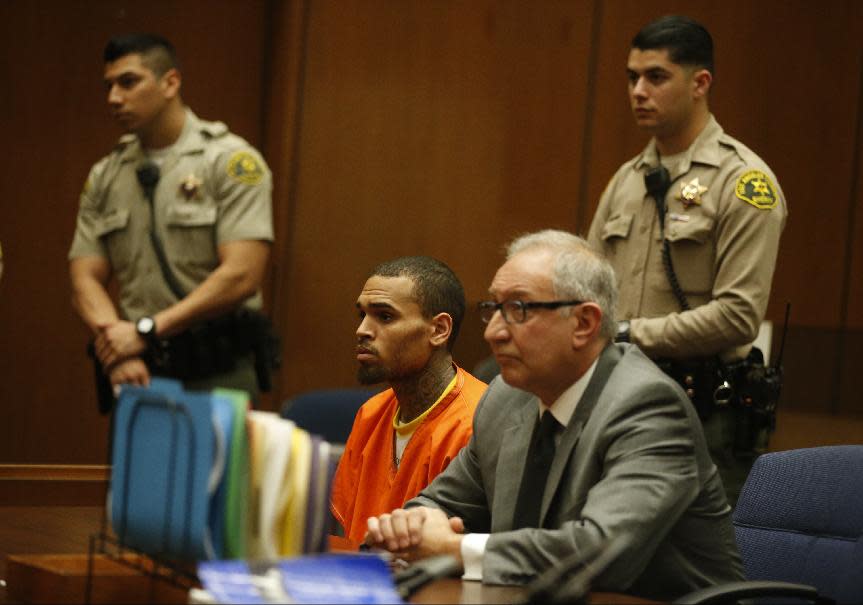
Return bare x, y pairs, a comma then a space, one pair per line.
515, 311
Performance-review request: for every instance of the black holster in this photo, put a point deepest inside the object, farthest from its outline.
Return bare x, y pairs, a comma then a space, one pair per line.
748, 387
104, 391
215, 346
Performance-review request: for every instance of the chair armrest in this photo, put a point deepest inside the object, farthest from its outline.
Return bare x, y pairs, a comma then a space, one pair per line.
733, 591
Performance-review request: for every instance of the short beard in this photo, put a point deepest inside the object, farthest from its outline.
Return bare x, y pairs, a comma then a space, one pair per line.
367, 375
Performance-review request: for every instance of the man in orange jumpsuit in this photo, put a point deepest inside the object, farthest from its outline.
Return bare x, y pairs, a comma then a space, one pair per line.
410, 311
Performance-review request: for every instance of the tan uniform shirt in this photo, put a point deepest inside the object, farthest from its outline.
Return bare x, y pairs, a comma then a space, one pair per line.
214, 188
724, 233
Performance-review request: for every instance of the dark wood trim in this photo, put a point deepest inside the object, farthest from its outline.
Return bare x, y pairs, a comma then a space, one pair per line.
53, 484
840, 369
54, 472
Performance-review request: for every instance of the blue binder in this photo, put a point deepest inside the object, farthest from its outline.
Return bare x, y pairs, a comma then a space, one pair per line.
162, 458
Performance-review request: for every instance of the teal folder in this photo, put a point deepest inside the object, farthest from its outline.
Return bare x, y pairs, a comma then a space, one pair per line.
237, 477
162, 459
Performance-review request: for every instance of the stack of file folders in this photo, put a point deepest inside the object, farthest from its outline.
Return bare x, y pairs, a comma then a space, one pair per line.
199, 476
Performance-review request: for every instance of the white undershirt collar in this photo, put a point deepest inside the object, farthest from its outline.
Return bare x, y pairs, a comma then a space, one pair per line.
564, 406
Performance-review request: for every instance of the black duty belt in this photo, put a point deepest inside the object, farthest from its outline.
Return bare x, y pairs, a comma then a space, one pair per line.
214, 347
747, 387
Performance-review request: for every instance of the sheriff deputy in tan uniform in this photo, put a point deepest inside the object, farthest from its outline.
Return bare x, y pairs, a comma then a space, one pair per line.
180, 213
723, 216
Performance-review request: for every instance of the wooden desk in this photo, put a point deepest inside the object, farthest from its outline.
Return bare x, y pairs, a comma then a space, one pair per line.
35, 530
453, 590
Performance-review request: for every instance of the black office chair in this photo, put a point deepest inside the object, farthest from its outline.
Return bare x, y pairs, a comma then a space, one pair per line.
799, 528
328, 412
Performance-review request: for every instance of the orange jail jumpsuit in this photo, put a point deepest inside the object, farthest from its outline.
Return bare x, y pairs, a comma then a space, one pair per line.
367, 482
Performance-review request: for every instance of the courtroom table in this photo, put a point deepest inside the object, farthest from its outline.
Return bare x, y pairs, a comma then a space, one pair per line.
454, 590
28, 532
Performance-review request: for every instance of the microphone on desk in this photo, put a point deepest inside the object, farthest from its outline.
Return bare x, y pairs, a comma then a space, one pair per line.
409, 580
570, 581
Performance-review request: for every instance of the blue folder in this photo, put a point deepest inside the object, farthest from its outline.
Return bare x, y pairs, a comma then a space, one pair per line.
358, 578
162, 459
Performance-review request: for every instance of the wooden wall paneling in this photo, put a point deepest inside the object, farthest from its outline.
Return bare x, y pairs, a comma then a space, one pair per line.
851, 354
428, 128
810, 364
48, 129
53, 485
772, 92
615, 138
56, 125
283, 97
441, 128
792, 100
806, 429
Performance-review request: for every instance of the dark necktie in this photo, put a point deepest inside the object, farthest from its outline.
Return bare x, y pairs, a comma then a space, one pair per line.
539, 457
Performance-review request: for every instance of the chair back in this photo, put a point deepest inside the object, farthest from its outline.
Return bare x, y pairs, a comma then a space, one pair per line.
328, 412
800, 519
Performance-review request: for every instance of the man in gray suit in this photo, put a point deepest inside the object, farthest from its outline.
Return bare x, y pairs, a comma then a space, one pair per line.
580, 442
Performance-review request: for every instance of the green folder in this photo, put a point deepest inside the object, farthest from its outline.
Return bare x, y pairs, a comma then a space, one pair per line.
237, 477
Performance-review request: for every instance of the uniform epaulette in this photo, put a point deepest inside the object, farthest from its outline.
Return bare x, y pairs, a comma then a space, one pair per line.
728, 140
739, 148
212, 130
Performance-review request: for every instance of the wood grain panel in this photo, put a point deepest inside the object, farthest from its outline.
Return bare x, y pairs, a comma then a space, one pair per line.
428, 128
53, 485
283, 92
53, 109
851, 351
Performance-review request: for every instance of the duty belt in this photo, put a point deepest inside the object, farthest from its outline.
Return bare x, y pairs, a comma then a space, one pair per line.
747, 386
215, 346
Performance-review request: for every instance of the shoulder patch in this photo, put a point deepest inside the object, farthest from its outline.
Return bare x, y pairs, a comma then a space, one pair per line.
245, 168
756, 188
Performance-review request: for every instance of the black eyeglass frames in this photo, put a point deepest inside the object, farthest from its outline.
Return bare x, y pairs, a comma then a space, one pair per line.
515, 311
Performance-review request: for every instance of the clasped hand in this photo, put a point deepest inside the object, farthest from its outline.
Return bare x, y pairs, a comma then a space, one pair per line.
118, 341
416, 533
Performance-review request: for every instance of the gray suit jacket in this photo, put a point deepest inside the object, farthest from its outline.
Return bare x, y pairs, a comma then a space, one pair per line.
632, 461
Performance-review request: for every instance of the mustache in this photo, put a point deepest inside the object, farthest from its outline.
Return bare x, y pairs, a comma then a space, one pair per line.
360, 349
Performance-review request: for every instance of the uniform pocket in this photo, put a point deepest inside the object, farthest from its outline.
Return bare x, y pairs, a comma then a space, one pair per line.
693, 253
697, 229
191, 235
617, 227
113, 221
191, 215
112, 229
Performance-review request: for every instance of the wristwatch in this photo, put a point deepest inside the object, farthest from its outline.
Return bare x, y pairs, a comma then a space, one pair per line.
146, 328
622, 331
